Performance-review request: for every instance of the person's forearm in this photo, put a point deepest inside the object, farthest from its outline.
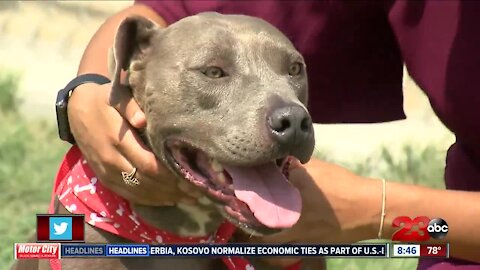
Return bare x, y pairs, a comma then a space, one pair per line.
460, 209
356, 205
95, 57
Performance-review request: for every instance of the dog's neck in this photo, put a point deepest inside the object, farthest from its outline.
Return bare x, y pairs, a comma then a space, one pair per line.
183, 220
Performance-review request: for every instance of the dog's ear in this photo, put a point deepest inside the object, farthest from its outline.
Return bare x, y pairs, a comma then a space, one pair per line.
131, 43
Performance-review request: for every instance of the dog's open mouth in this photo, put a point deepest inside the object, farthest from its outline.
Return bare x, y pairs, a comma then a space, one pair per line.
256, 197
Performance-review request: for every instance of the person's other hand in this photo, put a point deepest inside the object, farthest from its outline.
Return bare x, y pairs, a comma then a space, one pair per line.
110, 144
338, 207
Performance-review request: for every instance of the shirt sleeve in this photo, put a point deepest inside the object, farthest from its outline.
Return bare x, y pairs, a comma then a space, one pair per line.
172, 11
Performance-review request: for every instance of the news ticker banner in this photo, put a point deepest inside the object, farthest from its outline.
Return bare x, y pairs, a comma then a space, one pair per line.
385, 250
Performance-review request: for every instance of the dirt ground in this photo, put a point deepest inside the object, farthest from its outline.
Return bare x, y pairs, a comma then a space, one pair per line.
44, 41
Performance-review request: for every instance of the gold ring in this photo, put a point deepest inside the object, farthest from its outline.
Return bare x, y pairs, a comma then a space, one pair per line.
129, 178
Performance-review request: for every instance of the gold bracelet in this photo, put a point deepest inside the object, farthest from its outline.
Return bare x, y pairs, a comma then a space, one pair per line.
384, 198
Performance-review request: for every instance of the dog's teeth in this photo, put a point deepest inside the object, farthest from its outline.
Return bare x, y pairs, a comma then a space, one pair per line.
216, 166
221, 179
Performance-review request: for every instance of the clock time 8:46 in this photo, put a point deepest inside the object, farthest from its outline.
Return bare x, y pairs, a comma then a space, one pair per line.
406, 250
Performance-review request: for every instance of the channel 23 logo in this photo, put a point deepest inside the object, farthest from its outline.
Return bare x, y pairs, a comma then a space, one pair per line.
435, 228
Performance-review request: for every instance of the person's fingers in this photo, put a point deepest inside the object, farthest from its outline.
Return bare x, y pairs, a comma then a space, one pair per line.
140, 156
122, 100
108, 143
110, 164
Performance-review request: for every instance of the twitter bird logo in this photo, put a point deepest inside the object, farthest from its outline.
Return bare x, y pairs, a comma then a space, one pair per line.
61, 228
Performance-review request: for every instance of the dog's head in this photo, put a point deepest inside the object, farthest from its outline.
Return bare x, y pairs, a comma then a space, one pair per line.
224, 97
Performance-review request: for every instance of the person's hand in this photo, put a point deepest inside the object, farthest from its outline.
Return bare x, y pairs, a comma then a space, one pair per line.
110, 144
338, 207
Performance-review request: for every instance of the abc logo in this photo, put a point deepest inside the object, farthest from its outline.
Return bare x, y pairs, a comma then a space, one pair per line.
437, 228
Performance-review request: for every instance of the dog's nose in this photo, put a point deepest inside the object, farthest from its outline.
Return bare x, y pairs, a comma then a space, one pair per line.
290, 125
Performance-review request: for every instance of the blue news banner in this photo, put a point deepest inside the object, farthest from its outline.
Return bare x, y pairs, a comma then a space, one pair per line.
216, 250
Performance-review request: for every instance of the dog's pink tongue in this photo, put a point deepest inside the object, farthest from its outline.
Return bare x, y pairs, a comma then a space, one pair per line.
268, 194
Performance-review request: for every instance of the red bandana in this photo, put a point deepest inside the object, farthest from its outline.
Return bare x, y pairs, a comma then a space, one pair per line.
80, 192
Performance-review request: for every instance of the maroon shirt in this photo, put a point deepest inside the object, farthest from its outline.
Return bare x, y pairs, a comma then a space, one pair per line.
355, 51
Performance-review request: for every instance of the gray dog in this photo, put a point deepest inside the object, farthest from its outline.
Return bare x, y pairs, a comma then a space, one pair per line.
224, 98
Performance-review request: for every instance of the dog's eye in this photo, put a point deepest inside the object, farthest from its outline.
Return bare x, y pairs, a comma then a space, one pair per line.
295, 69
214, 72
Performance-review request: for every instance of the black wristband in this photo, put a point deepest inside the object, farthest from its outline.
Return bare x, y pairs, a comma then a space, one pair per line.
61, 104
